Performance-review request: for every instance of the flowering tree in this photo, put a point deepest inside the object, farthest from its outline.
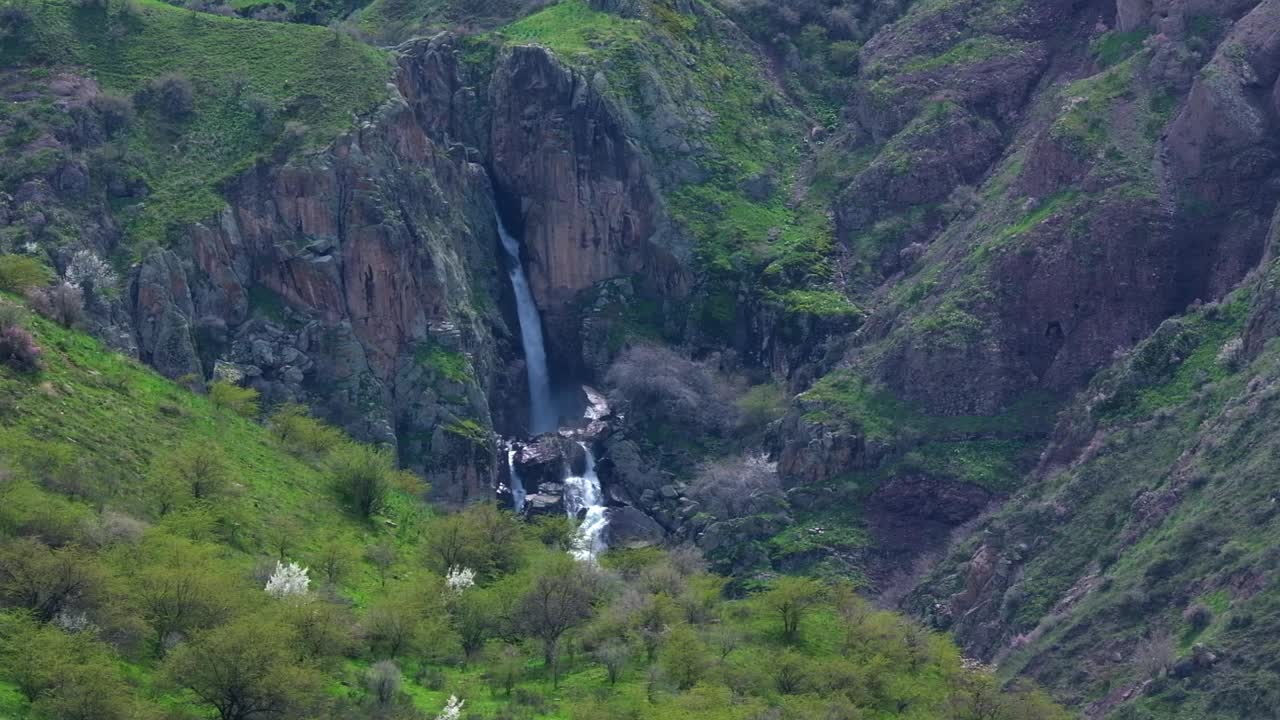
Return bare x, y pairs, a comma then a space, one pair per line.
288, 581
452, 710
460, 578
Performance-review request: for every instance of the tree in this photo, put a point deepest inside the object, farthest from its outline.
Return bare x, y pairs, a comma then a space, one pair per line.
198, 468
559, 598
684, 657
738, 487
182, 593
555, 531
334, 561
245, 670
613, 655
451, 543
382, 556
790, 599
280, 536
47, 581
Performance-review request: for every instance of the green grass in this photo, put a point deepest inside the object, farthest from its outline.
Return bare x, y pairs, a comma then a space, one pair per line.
450, 364
304, 74
572, 27
968, 52
1114, 47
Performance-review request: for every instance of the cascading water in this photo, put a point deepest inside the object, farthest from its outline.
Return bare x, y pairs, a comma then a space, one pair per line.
518, 492
583, 492
542, 415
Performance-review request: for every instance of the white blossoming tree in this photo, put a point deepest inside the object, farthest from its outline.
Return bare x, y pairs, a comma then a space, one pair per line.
452, 710
288, 581
460, 578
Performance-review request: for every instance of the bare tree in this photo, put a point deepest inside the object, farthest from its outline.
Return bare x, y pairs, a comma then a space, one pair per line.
738, 487
660, 384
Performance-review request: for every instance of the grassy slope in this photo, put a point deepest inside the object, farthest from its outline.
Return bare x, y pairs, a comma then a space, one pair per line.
302, 73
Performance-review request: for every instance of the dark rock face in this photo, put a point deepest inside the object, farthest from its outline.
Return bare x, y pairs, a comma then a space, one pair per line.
588, 207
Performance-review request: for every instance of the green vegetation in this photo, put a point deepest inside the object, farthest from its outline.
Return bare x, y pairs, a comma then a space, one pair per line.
968, 52
257, 88
989, 451
139, 524
1114, 47
19, 273
455, 366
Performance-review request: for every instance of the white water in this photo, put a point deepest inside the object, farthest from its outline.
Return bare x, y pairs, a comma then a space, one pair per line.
584, 492
542, 415
517, 483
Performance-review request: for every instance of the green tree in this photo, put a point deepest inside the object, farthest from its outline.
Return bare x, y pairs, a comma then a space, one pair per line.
46, 581
196, 470
791, 599
240, 400
684, 657
559, 598
247, 669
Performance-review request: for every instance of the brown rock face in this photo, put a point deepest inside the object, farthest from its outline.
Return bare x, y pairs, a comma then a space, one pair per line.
579, 185
340, 279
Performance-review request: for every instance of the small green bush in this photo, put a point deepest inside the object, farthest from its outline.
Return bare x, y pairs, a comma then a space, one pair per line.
364, 476
239, 400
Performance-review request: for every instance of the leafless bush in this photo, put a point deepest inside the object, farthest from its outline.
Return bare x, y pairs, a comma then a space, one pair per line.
173, 95
737, 487
1155, 654
661, 385
384, 682
62, 303
18, 348
1198, 616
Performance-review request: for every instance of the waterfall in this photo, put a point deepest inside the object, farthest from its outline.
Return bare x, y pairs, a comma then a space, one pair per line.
583, 492
517, 483
542, 415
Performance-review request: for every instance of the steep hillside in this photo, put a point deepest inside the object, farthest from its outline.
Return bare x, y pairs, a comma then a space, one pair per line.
968, 303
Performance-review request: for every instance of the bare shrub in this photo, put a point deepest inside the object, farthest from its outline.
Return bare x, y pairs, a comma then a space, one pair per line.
173, 95
1155, 654
18, 348
116, 112
738, 487
661, 385
384, 681
62, 303
1197, 616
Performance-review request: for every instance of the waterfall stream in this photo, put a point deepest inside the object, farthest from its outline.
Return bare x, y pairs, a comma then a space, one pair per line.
580, 492
583, 493
542, 415
518, 492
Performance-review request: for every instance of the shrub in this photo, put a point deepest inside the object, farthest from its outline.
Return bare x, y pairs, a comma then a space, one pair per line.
364, 476
737, 487
18, 349
303, 434
62, 303
239, 400
661, 385
20, 273
116, 112
762, 405
172, 95
1197, 617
